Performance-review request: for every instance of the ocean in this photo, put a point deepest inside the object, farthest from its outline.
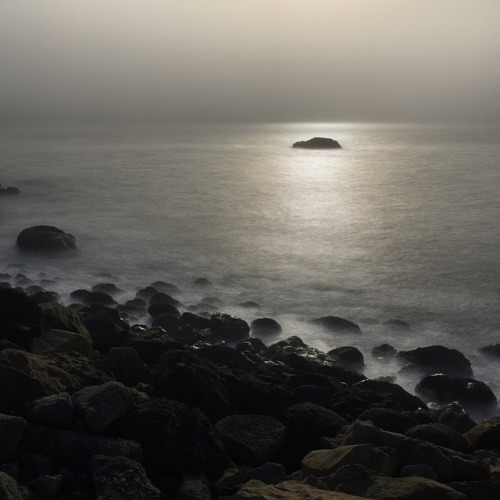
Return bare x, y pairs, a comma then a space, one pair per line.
401, 223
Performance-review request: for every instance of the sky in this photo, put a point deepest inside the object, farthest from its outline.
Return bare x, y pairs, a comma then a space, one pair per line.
250, 60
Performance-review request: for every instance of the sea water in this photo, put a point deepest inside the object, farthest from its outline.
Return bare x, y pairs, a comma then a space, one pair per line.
401, 223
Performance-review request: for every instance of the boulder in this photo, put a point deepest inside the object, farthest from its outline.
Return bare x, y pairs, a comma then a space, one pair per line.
251, 439
223, 355
389, 420
454, 415
109, 288
60, 317
485, 435
438, 359
337, 325
264, 326
100, 405
171, 323
228, 328
126, 365
348, 357
384, 351
9, 489
55, 410
46, 239
102, 298
116, 478
268, 473
194, 487
11, 433
318, 143
440, 434
61, 341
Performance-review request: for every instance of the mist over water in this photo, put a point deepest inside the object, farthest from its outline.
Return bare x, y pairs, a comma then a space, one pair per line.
400, 223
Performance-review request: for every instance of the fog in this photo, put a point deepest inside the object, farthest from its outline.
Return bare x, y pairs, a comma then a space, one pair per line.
250, 60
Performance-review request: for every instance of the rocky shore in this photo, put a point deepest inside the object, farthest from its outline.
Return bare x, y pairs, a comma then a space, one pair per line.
197, 406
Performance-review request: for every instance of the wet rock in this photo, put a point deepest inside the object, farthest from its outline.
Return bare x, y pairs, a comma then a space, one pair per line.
263, 326
61, 341
456, 416
196, 321
485, 435
348, 357
223, 355
384, 351
9, 191
55, 410
389, 420
151, 344
337, 325
250, 304
229, 328
46, 239
126, 365
473, 394
185, 334
438, 359
318, 143
79, 294
108, 288
440, 434
168, 321
99, 406
163, 286
101, 298
160, 309
146, 293
251, 439
11, 433
116, 478
174, 438
60, 317
203, 283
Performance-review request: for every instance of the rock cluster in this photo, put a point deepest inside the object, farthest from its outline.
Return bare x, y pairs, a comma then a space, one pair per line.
318, 143
92, 406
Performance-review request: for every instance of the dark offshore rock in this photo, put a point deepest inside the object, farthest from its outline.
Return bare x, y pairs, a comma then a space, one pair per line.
116, 478
45, 238
169, 322
196, 321
79, 294
109, 288
491, 351
9, 191
229, 328
225, 356
440, 434
74, 448
163, 286
337, 325
404, 399
159, 309
251, 439
389, 420
384, 351
438, 359
20, 319
151, 344
175, 438
203, 283
163, 298
348, 357
105, 326
99, 298
146, 293
318, 143
262, 326
473, 394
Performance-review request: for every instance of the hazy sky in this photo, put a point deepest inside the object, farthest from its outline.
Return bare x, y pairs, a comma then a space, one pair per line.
241, 60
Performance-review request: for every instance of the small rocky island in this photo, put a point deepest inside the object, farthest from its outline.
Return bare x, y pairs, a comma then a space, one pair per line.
318, 143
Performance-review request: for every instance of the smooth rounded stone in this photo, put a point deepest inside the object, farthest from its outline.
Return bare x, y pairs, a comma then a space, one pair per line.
126, 365
11, 433
174, 437
389, 420
163, 298
485, 435
473, 394
163, 286
146, 293
203, 283
105, 326
397, 324
438, 359
56, 409
20, 319
45, 239
61, 341
419, 470
348, 357
74, 448
79, 294
116, 478
194, 487
185, 334
229, 328
441, 435
60, 317
318, 143
384, 351
251, 439
108, 288
136, 303
100, 405
337, 325
407, 401
45, 297
160, 309
168, 321
320, 463
9, 489
101, 298
263, 326
454, 415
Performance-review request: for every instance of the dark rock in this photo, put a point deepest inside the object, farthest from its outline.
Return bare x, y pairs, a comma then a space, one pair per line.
223, 355
185, 334
418, 470
456, 416
9, 191
384, 351
136, 304
229, 328
45, 297
197, 322
169, 322
146, 293
473, 394
397, 324
251, 439
55, 410
348, 357
116, 478
318, 143
45, 238
165, 287
440, 434
126, 365
109, 288
11, 433
163, 298
151, 345
438, 359
17, 389
490, 351
79, 294
203, 283
174, 438
249, 304
389, 420
485, 435
9, 489
161, 309
59, 317
263, 326
251, 345
194, 487
102, 298
337, 325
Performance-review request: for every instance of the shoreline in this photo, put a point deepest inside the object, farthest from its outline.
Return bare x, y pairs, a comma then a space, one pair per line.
241, 407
